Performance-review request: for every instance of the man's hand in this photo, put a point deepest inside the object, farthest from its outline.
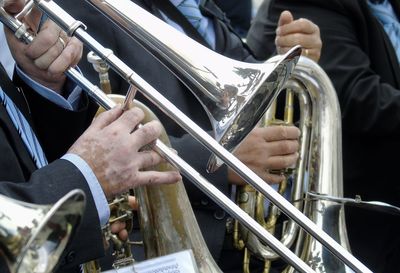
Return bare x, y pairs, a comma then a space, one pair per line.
49, 55
268, 148
112, 148
298, 32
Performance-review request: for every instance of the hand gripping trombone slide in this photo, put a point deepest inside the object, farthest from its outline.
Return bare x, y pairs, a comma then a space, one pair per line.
288, 61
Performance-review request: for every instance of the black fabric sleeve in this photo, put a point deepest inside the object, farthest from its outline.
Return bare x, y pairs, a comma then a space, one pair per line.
369, 104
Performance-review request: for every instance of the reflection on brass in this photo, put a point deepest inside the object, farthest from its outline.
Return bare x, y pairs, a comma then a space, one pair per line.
33, 237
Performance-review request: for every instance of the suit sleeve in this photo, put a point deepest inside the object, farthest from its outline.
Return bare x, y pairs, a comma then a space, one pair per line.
367, 101
46, 186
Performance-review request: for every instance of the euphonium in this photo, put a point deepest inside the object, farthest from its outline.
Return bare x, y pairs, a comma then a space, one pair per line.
33, 237
318, 172
167, 221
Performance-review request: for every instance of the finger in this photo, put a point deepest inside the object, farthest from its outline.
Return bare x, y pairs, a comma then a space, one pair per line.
69, 57
46, 60
133, 203
275, 133
305, 40
146, 134
128, 121
283, 147
46, 38
281, 162
32, 19
106, 118
123, 235
300, 25
149, 159
14, 6
117, 227
312, 53
272, 178
156, 178
285, 18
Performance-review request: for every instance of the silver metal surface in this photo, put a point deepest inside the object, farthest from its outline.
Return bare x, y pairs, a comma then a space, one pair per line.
234, 94
285, 63
323, 164
319, 169
33, 237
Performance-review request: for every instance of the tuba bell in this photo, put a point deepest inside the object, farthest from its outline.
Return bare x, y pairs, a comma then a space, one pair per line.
32, 237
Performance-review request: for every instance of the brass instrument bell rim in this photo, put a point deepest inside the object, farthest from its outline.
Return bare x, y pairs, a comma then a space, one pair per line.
75, 197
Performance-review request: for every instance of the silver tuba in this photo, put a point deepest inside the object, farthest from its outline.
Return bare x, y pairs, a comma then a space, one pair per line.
318, 173
32, 237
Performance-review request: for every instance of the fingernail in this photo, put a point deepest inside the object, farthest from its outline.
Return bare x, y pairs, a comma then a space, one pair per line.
278, 30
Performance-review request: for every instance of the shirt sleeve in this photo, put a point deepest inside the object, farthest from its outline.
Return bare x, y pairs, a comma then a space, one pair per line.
99, 198
71, 102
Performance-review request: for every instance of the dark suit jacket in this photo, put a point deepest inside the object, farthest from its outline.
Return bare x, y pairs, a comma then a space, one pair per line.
239, 13
210, 217
20, 179
362, 64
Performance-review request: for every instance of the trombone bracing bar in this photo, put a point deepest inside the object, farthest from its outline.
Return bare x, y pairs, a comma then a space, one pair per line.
75, 28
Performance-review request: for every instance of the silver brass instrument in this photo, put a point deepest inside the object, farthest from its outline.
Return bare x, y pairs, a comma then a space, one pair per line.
163, 210
319, 170
33, 237
119, 205
253, 87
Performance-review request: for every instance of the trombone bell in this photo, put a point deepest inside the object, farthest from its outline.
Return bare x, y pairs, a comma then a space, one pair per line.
234, 94
32, 237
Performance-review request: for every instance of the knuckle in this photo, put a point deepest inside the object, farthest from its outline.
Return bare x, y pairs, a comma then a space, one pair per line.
149, 130
294, 146
137, 113
297, 38
40, 64
48, 39
283, 131
284, 147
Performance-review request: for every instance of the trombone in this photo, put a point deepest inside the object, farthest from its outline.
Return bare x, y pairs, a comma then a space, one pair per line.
266, 79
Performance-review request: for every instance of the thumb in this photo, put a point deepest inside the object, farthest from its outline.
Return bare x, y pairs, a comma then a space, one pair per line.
285, 18
13, 6
33, 19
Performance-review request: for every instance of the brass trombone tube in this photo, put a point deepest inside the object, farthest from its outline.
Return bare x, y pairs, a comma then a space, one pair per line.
75, 28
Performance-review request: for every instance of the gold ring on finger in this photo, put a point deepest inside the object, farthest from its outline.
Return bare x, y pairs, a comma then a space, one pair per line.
61, 40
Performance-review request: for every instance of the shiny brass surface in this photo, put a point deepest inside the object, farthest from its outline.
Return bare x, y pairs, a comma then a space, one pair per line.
33, 237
